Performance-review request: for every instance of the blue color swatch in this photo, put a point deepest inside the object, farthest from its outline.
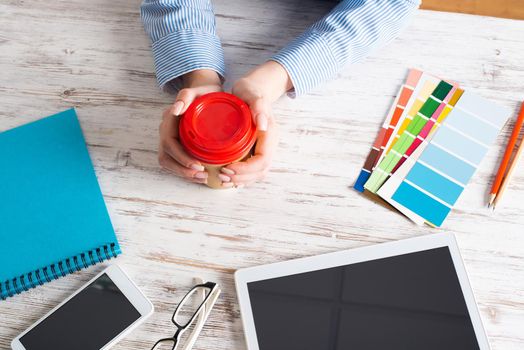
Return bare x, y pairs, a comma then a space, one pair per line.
421, 204
459, 145
448, 164
483, 131
434, 183
361, 180
451, 158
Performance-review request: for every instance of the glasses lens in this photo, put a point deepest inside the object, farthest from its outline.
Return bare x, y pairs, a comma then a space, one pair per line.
166, 344
189, 306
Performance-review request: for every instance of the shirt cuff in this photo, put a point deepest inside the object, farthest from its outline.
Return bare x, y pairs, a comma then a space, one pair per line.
182, 52
309, 61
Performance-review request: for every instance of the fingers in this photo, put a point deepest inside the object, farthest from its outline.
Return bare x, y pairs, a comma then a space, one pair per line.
175, 150
169, 143
186, 96
243, 179
255, 164
262, 122
256, 167
259, 106
171, 155
183, 100
171, 165
260, 111
169, 124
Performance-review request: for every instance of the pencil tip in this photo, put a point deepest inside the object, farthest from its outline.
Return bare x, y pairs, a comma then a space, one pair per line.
491, 200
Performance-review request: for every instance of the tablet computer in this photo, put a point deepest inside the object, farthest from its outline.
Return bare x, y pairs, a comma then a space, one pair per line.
409, 294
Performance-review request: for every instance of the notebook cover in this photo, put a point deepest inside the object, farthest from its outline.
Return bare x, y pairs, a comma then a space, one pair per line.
53, 219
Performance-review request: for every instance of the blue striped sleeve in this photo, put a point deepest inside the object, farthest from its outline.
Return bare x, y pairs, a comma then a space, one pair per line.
346, 35
183, 35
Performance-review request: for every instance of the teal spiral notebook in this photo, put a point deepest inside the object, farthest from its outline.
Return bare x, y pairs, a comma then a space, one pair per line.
53, 219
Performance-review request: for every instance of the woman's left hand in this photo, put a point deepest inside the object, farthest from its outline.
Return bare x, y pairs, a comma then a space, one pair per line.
256, 167
259, 89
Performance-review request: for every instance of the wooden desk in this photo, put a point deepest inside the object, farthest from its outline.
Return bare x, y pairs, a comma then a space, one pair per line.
94, 55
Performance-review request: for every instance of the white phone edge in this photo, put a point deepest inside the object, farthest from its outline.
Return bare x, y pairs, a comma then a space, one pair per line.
128, 288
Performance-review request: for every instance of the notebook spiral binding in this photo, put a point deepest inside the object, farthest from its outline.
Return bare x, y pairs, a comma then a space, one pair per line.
54, 271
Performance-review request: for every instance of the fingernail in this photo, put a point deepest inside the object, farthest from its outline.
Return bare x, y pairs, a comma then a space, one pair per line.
262, 122
240, 186
200, 176
224, 178
227, 171
228, 184
177, 107
197, 167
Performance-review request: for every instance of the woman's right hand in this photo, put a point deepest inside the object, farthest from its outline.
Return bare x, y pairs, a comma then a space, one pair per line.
171, 154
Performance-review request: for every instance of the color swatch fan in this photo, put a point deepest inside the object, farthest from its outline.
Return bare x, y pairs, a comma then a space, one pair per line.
438, 143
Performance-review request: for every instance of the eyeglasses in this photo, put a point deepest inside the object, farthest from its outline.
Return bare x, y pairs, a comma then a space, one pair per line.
195, 306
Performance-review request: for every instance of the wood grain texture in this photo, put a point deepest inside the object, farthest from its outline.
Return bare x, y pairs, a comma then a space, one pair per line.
95, 56
499, 8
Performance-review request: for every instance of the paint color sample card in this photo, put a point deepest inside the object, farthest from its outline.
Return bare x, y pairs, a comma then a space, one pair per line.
387, 165
426, 84
439, 176
390, 186
388, 127
437, 144
438, 116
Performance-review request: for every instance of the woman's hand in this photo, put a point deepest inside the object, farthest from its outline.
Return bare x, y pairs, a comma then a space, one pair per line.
259, 89
171, 154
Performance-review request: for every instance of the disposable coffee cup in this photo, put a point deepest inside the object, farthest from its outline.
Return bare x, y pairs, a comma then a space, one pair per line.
217, 129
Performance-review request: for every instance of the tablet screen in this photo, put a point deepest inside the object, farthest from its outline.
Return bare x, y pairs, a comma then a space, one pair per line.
410, 301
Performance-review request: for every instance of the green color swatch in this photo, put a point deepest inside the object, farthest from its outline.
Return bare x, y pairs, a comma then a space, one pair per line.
386, 166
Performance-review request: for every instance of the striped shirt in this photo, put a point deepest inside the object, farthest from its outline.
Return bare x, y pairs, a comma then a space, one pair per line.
184, 38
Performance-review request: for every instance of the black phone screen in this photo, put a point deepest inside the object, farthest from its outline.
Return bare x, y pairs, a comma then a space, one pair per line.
88, 321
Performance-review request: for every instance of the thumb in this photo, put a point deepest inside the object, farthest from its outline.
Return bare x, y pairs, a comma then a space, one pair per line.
183, 99
262, 121
260, 113
186, 96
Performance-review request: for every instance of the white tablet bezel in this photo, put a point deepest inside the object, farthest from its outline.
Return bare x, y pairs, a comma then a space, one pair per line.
128, 288
384, 250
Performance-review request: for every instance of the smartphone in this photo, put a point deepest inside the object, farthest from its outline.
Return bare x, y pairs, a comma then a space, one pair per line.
95, 317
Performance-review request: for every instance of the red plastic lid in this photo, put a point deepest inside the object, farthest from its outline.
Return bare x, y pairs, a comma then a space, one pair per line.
217, 128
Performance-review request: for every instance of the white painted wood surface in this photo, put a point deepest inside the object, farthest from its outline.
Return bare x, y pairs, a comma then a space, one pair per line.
95, 56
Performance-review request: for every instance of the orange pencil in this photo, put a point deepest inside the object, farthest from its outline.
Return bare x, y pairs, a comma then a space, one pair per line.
507, 155
507, 178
